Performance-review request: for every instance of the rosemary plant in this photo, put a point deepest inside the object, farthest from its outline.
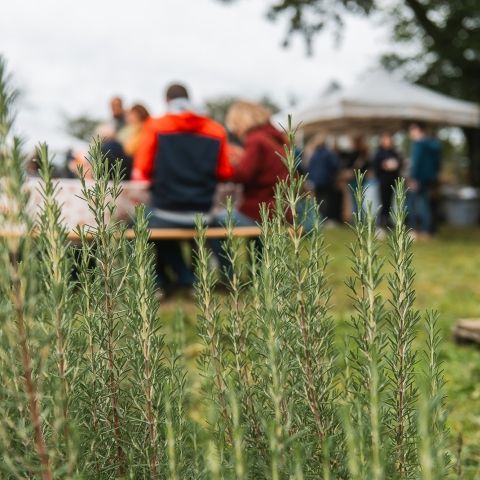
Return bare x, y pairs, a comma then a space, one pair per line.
24, 343
59, 311
146, 353
106, 280
368, 344
435, 458
308, 329
212, 361
95, 387
403, 320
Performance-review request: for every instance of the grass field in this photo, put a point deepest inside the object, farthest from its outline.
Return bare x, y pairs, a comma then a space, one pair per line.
447, 280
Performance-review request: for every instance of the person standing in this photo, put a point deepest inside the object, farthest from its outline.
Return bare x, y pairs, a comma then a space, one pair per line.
183, 155
359, 161
118, 113
423, 178
323, 166
387, 165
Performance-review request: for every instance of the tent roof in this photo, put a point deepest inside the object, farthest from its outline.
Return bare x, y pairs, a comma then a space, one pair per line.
380, 100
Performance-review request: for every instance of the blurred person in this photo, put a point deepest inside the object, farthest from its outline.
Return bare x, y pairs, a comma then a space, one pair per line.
322, 168
67, 161
358, 156
259, 168
229, 189
235, 148
137, 115
76, 160
358, 160
387, 164
118, 113
183, 155
423, 179
32, 165
33, 170
113, 150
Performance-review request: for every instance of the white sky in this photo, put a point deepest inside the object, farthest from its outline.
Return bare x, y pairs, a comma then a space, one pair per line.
72, 56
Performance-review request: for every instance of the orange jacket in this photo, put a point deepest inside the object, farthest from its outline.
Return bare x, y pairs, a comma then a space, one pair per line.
183, 156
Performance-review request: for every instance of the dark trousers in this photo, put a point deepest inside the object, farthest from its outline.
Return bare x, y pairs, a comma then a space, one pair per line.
326, 199
420, 217
169, 257
171, 266
386, 196
218, 245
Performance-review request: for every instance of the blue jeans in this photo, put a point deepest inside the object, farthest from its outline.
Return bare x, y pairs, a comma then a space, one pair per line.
419, 210
308, 211
239, 219
371, 195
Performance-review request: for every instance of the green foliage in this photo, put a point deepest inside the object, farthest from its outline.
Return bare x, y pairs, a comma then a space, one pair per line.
446, 39
444, 35
217, 107
435, 42
93, 388
82, 127
366, 372
8, 96
310, 17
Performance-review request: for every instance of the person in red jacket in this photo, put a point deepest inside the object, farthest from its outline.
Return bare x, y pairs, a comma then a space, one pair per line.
183, 155
259, 167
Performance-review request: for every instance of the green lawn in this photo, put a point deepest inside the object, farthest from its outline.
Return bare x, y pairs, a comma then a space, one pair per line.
447, 280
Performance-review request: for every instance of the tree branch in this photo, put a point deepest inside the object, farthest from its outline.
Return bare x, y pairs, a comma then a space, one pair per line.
421, 14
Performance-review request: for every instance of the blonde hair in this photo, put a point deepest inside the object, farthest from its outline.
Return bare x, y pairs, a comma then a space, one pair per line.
242, 116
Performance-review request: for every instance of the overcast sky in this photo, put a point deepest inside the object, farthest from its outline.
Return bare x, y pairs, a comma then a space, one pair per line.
69, 57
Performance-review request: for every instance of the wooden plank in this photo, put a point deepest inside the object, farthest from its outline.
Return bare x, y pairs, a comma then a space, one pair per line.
211, 232
183, 233
467, 330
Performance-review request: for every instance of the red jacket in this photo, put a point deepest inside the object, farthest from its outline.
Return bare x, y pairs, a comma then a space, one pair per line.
260, 168
184, 156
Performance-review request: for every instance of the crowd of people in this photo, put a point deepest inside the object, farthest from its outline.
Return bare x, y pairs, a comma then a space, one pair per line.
331, 176
193, 163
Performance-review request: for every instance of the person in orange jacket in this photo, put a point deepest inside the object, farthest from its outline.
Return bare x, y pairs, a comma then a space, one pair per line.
183, 155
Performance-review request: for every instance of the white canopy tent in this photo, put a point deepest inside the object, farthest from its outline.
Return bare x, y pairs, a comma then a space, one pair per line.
379, 100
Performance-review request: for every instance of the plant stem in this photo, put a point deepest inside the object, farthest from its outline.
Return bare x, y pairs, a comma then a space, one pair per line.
30, 385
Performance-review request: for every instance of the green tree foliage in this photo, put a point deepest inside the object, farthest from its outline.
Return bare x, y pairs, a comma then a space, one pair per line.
81, 127
444, 36
217, 107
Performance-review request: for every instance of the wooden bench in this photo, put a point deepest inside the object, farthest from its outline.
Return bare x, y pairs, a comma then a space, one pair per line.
186, 233
191, 233
167, 233
467, 330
